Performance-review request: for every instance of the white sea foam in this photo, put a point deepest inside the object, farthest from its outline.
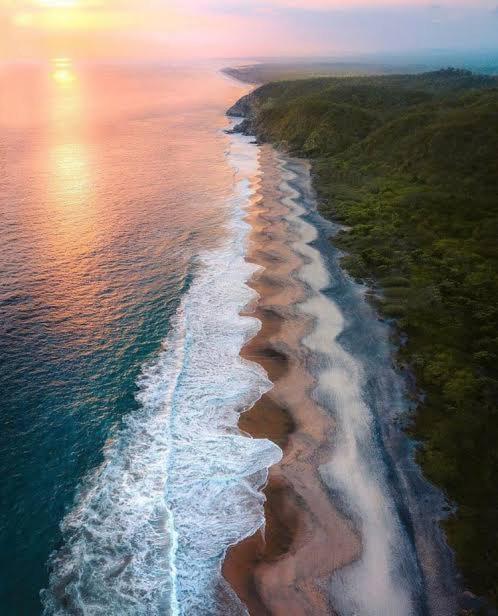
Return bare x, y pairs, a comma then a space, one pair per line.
180, 483
383, 581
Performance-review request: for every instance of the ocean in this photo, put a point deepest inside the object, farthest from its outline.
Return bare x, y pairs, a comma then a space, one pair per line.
123, 476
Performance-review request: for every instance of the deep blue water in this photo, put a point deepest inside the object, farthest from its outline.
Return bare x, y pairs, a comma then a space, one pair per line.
112, 182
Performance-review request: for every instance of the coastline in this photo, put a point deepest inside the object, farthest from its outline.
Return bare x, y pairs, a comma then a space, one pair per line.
269, 571
305, 538
366, 172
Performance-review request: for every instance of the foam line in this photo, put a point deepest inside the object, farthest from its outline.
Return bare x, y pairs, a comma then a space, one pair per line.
180, 483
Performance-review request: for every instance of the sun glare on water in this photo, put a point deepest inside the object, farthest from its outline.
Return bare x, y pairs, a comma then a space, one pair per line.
63, 72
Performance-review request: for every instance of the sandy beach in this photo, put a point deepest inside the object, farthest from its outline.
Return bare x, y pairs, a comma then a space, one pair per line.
282, 569
346, 530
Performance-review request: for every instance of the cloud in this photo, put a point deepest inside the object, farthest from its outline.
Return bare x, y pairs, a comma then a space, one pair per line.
346, 5
250, 27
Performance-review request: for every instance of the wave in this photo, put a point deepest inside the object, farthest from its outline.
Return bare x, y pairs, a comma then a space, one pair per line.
179, 484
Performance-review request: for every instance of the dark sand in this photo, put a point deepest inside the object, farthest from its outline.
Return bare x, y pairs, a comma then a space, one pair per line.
284, 567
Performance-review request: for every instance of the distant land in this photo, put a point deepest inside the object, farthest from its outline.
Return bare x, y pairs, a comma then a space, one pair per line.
408, 163
264, 70
274, 71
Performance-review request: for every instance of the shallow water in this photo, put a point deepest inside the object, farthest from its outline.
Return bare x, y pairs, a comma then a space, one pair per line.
122, 278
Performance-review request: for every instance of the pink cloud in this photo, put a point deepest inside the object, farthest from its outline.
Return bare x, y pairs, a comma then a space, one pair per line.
186, 28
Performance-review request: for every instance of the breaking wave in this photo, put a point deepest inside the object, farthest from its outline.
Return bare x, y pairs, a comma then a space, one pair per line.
179, 483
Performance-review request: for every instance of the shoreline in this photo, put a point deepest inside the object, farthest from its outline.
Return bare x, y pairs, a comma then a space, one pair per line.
271, 571
433, 445
305, 539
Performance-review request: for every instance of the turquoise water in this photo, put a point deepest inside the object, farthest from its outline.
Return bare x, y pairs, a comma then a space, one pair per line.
116, 195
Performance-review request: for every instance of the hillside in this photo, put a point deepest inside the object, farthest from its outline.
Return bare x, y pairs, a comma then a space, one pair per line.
409, 163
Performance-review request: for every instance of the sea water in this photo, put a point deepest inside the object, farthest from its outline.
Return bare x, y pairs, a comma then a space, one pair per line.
124, 477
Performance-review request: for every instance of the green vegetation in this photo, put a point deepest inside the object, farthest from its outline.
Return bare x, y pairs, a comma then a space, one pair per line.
410, 164
265, 72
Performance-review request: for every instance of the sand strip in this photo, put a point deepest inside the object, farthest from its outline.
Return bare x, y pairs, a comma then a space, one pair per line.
284, 568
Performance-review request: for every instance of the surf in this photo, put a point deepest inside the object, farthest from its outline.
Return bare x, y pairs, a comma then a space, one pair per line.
179, 483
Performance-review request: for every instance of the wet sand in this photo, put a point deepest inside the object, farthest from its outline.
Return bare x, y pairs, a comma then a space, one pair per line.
284, 567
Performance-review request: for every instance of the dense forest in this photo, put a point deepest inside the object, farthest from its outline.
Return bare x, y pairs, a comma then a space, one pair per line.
409, 164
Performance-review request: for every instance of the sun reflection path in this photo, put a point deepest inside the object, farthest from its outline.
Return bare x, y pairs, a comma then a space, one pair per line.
70, 225
67, 113
70, 185
63, 72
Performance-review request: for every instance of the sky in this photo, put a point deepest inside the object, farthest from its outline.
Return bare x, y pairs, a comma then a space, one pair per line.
163, 29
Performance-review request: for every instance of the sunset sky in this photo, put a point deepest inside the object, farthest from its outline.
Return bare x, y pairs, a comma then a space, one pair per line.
237, 28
